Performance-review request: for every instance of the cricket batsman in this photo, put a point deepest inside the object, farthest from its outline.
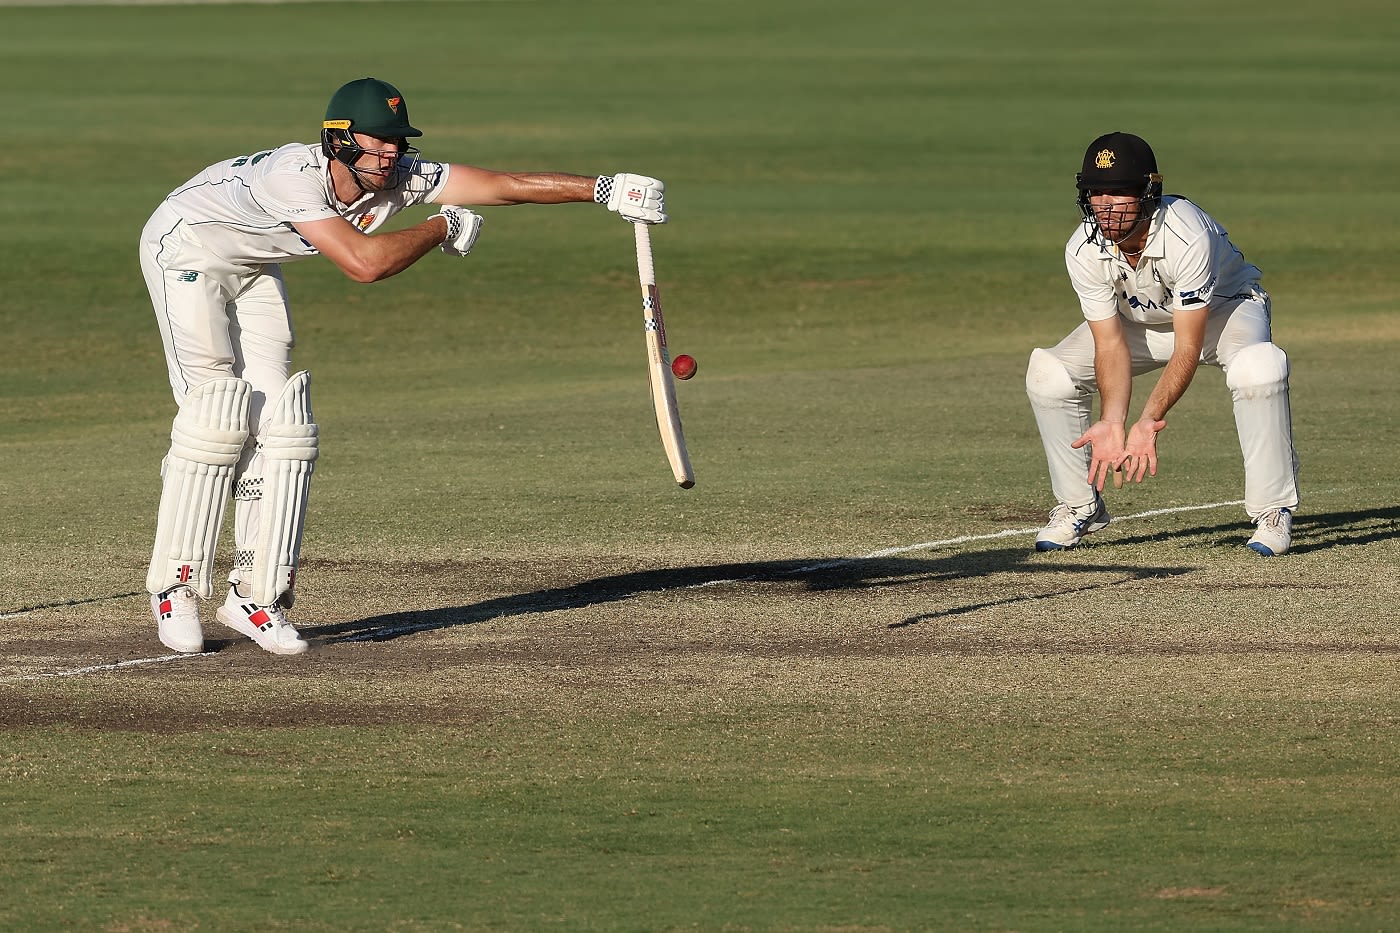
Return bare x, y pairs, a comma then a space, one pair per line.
1161, 287
212, 255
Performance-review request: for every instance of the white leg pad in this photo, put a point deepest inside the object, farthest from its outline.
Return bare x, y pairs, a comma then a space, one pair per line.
1258, 371
288, 445
205, 442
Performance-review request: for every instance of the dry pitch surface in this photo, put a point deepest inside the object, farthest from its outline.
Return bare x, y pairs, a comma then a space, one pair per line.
1161, 601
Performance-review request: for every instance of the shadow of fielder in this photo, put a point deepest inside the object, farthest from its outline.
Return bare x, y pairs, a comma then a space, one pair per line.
1311, 533
812, 576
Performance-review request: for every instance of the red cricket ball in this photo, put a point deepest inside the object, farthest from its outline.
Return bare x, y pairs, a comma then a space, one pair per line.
684, 366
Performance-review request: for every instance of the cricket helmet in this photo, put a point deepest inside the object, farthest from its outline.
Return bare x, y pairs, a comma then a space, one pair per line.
1120, 162
369, 106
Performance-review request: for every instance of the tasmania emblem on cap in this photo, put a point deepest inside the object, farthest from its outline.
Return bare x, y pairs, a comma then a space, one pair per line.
393, 103
1104, 159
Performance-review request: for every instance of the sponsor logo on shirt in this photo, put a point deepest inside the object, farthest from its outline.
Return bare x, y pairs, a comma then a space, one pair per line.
253, 159
1199, 295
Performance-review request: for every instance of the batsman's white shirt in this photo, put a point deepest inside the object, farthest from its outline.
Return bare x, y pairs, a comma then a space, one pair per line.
1187, 262
243, 209
212, 254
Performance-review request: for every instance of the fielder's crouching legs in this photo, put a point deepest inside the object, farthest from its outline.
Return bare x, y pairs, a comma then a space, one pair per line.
270, 514
1258, 380
205, 443
1063, 409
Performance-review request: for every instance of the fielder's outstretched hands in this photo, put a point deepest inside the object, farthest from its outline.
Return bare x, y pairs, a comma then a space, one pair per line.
463, 227
1131, 455
636, 198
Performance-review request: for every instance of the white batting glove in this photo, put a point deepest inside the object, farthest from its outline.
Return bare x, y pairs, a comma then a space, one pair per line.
463, 227
635, 198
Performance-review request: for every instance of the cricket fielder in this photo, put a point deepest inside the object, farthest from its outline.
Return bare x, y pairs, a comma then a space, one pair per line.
1161, 287
212, 256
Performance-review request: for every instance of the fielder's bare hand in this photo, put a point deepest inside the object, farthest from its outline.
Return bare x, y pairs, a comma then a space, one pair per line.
636, 198
1106, 448
1141, 449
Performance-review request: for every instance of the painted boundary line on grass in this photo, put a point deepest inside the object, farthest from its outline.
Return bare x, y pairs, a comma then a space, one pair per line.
809, 568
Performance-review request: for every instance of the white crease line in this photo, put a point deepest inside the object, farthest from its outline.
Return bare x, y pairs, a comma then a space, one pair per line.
964, 539
1150, 513
119, 664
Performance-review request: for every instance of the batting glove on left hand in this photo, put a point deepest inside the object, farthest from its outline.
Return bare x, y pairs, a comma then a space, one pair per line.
636, 198
463, 227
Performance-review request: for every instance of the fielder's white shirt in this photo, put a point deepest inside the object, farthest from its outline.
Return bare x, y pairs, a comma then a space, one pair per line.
243, 209
1188, 262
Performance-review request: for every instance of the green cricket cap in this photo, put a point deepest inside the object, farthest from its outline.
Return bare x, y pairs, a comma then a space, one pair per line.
368, 105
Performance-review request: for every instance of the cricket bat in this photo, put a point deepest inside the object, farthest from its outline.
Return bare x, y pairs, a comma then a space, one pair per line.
659, 376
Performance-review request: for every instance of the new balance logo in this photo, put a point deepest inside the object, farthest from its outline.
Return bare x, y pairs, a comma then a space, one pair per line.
187, 276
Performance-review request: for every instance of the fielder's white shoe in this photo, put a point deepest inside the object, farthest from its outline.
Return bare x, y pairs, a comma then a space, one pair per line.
1274, 532
1067, 526
177, 620
266, 625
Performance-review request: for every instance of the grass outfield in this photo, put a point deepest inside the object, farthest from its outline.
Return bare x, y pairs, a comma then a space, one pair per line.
829, 688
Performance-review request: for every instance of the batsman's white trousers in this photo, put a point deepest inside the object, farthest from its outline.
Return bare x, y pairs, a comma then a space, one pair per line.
1061, 381
218, 320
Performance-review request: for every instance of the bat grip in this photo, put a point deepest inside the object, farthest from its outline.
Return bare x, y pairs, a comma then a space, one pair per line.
645, 270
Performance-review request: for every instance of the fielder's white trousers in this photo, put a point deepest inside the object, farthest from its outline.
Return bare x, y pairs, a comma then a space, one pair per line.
1061, 381
218, 320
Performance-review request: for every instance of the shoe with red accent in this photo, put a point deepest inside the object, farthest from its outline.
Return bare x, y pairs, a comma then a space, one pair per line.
177, 620
266, 625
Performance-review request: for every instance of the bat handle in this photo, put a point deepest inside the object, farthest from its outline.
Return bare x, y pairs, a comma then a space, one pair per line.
645, 270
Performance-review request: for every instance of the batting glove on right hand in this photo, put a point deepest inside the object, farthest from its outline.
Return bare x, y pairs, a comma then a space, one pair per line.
463, 227
636, 198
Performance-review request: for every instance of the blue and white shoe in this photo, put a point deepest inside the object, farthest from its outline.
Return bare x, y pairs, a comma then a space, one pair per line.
1068, 526
1273, 534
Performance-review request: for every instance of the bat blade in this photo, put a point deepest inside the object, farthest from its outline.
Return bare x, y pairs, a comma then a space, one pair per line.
659, 376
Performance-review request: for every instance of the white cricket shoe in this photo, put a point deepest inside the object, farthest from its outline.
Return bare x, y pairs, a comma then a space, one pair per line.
1274, 532
1068, 526
266, 625
177, 620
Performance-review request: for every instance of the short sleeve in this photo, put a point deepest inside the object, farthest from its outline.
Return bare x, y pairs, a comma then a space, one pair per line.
1088, 274
294, 191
